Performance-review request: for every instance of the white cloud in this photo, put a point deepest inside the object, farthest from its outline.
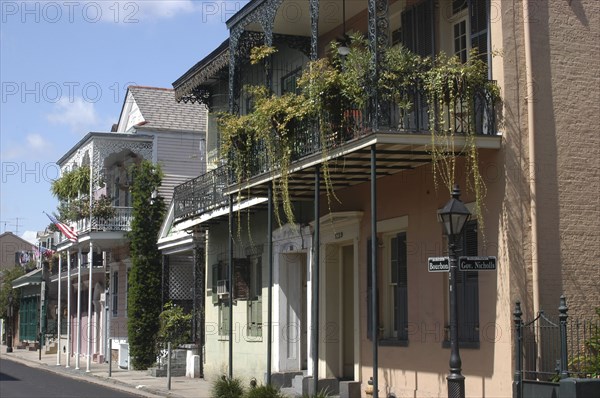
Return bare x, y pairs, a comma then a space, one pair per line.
34, 144
165, 8
30, 236
128, 12
78, 114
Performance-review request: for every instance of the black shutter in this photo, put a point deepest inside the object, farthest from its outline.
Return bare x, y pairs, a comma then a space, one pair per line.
424, 28
402, 289
417, 28
468, 289
369, 292
408, 31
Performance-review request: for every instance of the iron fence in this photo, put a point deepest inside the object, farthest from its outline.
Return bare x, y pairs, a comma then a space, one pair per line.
553, 347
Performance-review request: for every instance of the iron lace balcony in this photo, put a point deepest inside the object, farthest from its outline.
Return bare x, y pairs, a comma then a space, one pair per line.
201, 194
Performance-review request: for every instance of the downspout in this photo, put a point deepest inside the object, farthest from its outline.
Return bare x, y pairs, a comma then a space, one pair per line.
531, 129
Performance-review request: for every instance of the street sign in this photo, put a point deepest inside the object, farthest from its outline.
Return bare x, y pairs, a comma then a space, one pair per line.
438, 264
485, 263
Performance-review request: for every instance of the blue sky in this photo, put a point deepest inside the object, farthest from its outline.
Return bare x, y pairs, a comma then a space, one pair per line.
64, 69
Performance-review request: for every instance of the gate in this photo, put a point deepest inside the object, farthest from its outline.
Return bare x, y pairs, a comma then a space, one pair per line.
549, 349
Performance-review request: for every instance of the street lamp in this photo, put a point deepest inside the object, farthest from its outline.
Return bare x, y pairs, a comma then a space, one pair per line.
9, 311
453, 217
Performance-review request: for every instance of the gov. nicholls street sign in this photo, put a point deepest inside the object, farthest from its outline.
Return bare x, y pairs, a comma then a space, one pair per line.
465, 263
485, 263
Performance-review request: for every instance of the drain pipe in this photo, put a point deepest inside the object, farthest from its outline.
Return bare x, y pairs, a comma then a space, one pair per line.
531, 129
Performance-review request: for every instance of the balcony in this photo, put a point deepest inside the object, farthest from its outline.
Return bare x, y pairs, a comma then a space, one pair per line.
121, 221
352, 125
201, 194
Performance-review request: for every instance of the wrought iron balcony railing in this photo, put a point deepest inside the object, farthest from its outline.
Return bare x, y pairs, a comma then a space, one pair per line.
201, 194
121, 221
477, 116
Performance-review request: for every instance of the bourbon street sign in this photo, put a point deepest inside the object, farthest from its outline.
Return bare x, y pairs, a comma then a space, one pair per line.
438, 264
485, 263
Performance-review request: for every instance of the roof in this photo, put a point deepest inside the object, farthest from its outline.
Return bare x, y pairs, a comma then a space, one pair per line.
111, 136
207, 68
10, 235
160, 110
32, 278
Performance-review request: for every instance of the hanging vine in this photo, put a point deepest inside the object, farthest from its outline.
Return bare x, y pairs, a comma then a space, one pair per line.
331, 87
72, 189
452, 89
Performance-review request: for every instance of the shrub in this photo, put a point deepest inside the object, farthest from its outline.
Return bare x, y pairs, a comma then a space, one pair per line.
265, 391
227, 388
175, 326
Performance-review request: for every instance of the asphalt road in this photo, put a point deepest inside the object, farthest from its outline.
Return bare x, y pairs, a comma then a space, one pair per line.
20, 381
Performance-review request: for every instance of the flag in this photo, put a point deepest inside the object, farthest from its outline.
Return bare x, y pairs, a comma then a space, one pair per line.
45, 251
65, 229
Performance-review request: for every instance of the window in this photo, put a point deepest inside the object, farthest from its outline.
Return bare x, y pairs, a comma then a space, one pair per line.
254, 314
224, 318
115, 293
393, 283
458, 6
289, 83
219, 274
460, 40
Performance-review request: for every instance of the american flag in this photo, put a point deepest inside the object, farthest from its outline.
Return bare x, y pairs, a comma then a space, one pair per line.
65, 229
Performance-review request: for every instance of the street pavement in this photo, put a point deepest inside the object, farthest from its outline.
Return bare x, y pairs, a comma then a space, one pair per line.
137, 382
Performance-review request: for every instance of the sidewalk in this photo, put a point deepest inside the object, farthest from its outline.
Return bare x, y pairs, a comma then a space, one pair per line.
132, 381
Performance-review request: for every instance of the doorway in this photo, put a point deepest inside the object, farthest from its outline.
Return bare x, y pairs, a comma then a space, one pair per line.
339, 317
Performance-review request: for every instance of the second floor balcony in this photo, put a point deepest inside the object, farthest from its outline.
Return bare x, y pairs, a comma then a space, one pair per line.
120, 221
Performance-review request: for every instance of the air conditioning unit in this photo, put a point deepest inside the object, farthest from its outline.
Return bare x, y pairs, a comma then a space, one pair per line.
223, 288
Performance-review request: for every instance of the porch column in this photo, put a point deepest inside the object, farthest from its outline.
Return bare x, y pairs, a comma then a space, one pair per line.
106, 312
230, 279
375, 295
314, 277
234, 37
58, 312
68, 309
165, 280
270, 285
199, 296
378, 40
78, 323
89, 311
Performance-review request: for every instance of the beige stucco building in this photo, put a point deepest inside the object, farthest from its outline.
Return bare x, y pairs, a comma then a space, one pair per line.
538, 154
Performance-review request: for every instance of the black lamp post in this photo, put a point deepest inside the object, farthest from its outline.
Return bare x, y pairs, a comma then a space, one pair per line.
454, 216
9, 311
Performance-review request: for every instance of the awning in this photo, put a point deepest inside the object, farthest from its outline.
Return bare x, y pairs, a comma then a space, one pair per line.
32, 278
